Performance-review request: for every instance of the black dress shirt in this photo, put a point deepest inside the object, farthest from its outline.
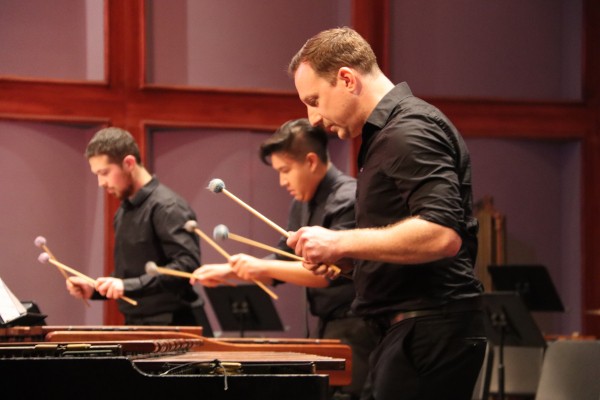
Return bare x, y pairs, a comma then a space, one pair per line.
331, 207
150, 227
413, 162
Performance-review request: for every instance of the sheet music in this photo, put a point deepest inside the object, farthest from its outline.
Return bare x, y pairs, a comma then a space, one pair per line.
10, 307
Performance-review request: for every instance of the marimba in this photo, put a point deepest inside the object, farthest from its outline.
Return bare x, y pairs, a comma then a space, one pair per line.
166, 362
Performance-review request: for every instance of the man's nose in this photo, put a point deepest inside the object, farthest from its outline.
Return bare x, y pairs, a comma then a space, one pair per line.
314, 117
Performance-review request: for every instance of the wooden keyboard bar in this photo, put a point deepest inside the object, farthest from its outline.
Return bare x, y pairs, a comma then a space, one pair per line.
113, 336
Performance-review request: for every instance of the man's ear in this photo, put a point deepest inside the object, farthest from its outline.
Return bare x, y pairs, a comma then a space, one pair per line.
129, 163
348, 77
313, 160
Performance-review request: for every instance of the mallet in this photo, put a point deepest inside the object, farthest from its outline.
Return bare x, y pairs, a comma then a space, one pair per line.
45, 258
192, 226
40, 242
221, 232
218, 186
153, 269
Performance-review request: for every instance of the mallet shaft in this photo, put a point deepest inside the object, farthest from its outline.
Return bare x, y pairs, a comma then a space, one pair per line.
212, 243
227, 256
256, 213
174, 272
62, 271
336, 270
263, 246
86, 278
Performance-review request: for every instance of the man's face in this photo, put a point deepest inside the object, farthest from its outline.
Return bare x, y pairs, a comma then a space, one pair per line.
112, 177
295, 176
332, 106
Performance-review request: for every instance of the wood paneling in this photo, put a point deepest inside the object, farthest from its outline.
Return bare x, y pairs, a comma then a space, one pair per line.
590, 217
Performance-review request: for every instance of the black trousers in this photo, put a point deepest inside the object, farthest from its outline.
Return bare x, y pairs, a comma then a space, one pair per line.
355, 332
434, 357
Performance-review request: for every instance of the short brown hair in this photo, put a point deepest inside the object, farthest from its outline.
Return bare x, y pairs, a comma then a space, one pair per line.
330, 50
116, 143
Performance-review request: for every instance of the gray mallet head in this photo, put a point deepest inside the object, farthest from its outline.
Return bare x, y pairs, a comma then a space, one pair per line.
151, 268
216, 185
221, 232
44, 258
40, 241
190, 225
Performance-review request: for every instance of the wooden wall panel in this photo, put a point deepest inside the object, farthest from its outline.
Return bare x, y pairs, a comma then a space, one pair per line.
591, 170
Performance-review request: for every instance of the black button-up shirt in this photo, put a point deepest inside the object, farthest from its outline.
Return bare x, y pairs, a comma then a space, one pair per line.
332, 207
413, 162
150, 227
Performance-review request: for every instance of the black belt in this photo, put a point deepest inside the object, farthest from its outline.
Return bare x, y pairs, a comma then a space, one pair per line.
401, 316
470, 304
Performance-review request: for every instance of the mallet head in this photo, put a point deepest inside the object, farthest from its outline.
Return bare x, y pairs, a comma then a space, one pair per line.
151, 268
216, 185
190, 225
221, 232
43, 258
40, 241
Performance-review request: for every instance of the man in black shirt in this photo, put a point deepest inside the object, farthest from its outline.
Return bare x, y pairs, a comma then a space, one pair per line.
323, 196
415, 242
149, 226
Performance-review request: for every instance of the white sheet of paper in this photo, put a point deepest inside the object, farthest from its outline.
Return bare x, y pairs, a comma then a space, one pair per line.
10, 307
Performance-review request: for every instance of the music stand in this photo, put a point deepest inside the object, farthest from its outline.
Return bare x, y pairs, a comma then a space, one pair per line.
532, 282
508, 322
244, 308
14, 313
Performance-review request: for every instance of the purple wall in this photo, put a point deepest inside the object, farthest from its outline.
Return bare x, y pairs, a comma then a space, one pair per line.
235, 43
48, 190
67, 42
491, 49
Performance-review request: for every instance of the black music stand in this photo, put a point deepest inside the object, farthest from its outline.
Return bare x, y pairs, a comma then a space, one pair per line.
532, 282
508, 322
15, 313
244, 308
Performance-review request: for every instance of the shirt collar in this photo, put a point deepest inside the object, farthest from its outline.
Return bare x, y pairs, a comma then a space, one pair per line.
380, 116
323, 189
142, 194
